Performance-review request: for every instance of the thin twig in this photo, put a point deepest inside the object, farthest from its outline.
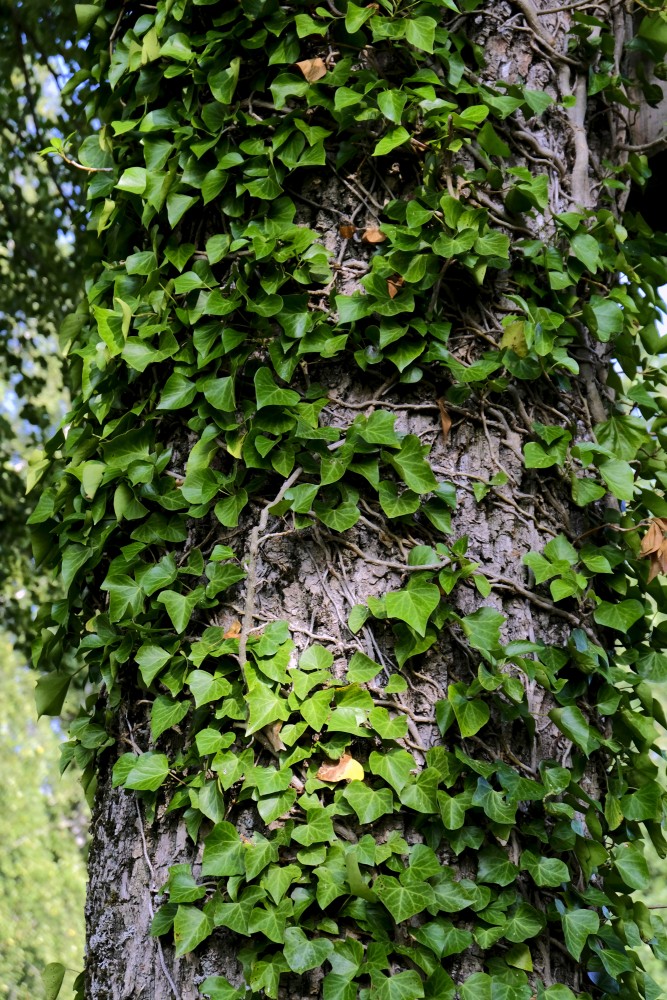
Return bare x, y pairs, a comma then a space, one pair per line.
163, 964
251, 565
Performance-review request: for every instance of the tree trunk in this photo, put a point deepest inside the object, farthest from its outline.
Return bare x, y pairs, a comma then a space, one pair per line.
441, 672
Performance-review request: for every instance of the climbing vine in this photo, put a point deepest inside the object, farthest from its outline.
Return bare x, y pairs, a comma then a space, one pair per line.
204, 422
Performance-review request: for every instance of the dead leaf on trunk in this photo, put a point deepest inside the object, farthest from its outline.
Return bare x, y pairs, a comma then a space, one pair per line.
346, 769
445, 420
394, 285
313, 69
654, 547
373, 235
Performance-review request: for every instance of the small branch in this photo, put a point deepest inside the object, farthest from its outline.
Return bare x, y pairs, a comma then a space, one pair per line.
80, 166
251, 565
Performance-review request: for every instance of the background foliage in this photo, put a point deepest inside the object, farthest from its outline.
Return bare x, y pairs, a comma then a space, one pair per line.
43, 830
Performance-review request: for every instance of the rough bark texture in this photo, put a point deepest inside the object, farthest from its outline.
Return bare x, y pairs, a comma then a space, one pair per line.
312, 579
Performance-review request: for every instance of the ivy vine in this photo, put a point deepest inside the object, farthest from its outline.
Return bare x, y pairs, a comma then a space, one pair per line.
209, 297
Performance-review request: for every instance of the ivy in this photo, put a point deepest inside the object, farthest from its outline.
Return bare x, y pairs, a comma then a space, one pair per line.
209, 319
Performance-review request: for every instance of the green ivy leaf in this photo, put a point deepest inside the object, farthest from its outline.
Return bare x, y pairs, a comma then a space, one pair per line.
368, 804
482, 628
403, 901
414, 605
401, 986
179, 607
571, 721
524, 922
165, 713
269, 394
223, 852
148, 772
304, 953
54, 973
630, 864
191, 927
621, 616
577, 926
544, 871
394, 137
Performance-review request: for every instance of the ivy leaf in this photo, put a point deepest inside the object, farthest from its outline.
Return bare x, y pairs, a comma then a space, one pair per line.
361, 668
403, 901
269, 394
544, 871
577, 926
621, 616
571, 721
394, 137
207, 687
50, 693
472, 714
524, 922
265, 707
223, 852
494, 866
54, 973
420, 32
483, 628
368, 804
630, 863
586, 249
304, 953
452, 811
318, 828
391, 103
419, 794
165, 713
179, 607
493, 803
219, 988
395, 504
405, 985
652, 667
585, 491
191, 927
477, 987
443, 938
414, 605
413, 467
619, 477
183, 888
394, 767
148, 772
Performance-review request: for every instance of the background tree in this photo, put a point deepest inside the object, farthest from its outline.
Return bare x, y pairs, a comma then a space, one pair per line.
40, 224
361, 533
43, 830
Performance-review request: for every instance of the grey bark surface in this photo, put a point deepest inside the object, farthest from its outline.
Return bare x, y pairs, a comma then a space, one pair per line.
311, 578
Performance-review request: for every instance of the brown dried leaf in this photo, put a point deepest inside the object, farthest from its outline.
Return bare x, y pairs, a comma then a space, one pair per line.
373, 235
347, 230
654, 568
445, 420
653, 538
346, 769
234, 630
394, 286
312, 69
